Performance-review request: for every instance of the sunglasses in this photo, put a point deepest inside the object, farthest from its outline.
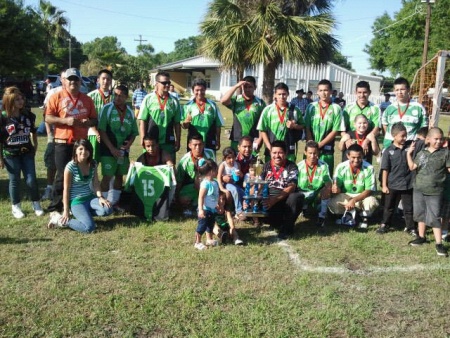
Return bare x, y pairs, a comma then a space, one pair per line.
73, 78
165, 83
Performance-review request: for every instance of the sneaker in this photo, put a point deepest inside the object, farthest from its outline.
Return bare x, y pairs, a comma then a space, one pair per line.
441, 250
55, 220
212, 242
17, 211
320, 222
37, 208
382, 229
238, 242
200, 246
48, 194
418, 241
411, 231
364, 223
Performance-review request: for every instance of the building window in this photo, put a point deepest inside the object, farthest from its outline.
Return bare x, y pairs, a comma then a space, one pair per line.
208, 81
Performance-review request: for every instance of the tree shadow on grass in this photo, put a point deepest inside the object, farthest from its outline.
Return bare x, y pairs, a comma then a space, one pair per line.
11, 240
109, 224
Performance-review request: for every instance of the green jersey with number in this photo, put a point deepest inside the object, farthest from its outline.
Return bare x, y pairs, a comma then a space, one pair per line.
273, 121
149, 184
355, 183
245, 117
320, 126
414, 117
118, 130
310, 179
371, 111
163, 113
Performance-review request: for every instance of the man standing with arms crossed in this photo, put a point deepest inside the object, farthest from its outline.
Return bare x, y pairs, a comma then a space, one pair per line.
161, 110
72, 113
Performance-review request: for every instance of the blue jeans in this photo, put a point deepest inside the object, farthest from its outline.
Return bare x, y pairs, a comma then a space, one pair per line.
15, 165
207, 223
83, 212
237, 193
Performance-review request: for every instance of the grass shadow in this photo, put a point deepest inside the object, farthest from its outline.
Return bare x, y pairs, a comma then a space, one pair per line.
11, 240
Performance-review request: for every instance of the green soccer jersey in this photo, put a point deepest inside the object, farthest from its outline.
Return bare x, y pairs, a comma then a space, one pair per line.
321, 126
313, 179
100, 99
118, 130
363, 179
164, 113
412, 115
149, 184
273, 121
245, 117
371, 111
186, 169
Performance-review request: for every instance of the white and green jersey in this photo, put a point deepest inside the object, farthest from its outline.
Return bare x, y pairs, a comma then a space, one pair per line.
355, 183
414, 118
204, 123
245, 117
187, 167
371, 111
320, 126
273, 121
165, 116
149, 183
100, 100
118, 130
313, 179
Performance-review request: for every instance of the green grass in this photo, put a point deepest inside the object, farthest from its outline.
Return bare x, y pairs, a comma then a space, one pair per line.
132, 279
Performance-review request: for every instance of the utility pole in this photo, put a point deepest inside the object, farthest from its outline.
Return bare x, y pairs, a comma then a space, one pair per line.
70, 52
423, 90
140, 40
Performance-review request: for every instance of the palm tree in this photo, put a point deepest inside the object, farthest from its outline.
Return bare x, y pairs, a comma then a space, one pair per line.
243, 33
54, 23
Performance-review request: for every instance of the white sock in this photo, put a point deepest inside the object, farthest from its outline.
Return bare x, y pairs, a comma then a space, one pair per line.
323, 208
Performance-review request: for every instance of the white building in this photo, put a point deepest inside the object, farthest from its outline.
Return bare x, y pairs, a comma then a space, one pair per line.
295, 75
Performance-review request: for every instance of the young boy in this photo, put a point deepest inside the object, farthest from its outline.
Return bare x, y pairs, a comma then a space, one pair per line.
246, 109
412, 114
432, 165
354, 184
323, 123
396, 181
276, 124
314, 180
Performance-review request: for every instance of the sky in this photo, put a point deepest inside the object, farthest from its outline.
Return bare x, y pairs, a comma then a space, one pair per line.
161, 23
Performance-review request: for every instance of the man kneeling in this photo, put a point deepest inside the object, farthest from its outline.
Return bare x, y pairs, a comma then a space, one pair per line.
285, 201
353, 186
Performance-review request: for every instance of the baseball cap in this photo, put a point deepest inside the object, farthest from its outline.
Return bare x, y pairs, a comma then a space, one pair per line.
73, 72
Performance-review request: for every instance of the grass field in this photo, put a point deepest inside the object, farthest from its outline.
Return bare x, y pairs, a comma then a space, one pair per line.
133, 279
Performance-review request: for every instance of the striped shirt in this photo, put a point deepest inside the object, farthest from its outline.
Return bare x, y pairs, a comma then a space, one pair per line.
138, 97
80, 190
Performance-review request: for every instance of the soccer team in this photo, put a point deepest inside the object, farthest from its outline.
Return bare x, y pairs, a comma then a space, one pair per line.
84, 130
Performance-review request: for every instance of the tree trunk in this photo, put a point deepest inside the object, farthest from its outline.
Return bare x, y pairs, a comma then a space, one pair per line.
269, 81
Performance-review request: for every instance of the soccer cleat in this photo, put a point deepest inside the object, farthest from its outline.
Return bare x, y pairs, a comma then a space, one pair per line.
418, 241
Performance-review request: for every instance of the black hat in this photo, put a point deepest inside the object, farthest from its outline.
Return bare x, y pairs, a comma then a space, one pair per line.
299, 91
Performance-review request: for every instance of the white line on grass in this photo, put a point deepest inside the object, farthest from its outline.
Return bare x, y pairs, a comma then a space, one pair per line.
296, 261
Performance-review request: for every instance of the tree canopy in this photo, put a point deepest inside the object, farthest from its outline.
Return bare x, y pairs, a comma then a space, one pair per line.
401, 37
242, 33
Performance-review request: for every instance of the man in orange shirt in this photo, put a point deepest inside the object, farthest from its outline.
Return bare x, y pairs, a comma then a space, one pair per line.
72, 113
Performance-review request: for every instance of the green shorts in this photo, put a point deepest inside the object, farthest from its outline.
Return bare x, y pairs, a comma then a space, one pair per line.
95, 147
111, 168
49, 156
189, 191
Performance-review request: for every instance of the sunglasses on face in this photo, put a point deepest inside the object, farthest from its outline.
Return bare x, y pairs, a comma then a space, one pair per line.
165, 83
75, 79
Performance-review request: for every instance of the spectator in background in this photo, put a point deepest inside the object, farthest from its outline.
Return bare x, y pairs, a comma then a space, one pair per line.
138, 97
300, 102
309, 96
340, 101
173, 92
386, 103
